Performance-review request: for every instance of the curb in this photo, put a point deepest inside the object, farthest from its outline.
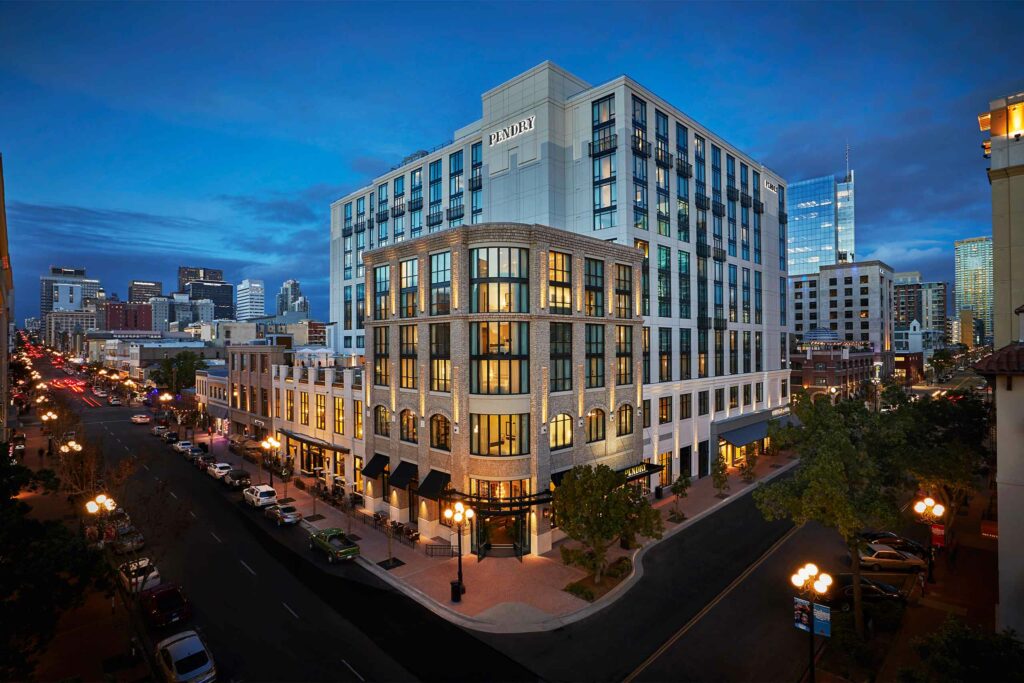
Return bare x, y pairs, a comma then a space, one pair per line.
557, 622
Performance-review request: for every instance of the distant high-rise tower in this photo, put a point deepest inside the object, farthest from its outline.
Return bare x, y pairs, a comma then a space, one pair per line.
187, 274
974, 279
66, 276
251, 300
290, 298
141, 291
822, 223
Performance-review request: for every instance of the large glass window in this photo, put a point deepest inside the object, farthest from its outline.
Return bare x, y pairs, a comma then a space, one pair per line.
407, 426
499, 358
561, 356
623, 354
623, 291
499, 279
595, 425
624, 420
595, 356
499, 434
499, 490
321, 411
381, 421
440, 283
440, 433
408, 343
381, 291
560, 432
304, 407
410, 281
381, 357
594, 287
440, 357
664, 354
560, 282
339, 415
357, 419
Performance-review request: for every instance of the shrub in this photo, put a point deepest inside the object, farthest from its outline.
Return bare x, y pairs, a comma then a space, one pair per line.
580, 591
620, 568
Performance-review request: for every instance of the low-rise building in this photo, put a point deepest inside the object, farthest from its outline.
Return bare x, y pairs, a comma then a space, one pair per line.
212, 398
909, 368
836, 369
251, 383
66, 330
913, 338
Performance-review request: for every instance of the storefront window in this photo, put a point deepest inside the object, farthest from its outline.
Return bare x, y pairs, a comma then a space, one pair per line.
500, 490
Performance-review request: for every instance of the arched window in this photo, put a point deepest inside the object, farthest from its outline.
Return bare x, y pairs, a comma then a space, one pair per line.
381, 421
560, 432
595, 425
624, 417
407, 423
440, 433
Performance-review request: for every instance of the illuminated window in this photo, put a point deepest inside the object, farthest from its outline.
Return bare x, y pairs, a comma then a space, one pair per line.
339, 415
304, 407
381, 356
499, 357
410, 280
381, 421
561, 356
357, 419
595, 425
624, 420
560, 282
321, 411
440, 357
407, 426
440, 433
560, 432
408, 338
499, 434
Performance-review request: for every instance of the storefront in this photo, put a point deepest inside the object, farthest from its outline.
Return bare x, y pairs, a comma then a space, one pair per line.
314, 457
502, 525
747, 435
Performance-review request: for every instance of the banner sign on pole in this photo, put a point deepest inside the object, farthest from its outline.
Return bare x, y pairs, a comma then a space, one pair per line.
822, 620
939, 535
801, 614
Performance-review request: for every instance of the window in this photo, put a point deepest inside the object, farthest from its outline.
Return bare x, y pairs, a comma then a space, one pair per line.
499, 358
702, 403
595, 356
381, 291
499, 280
759, 392
746, 394
624, 420
664, 410
595, 425
381, 357
734, 397
289, 405
560, 432
719, 399
623, 291
561, 356
685, 406
357, 419
410, 276
440, 283
623, 354
381, 421
339, 415
684, 284
646, 411
304, 407
594, 286
321, 411
685, 371
440, 433
440, 357
499, 434
664, 354
560, 282
408, 338
407, 426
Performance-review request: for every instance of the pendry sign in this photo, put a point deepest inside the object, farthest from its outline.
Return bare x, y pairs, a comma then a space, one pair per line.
770, 186
509, 132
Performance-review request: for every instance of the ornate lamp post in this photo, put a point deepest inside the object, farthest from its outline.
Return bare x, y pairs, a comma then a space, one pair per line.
810, 583
459, 517
268, 444
930, 512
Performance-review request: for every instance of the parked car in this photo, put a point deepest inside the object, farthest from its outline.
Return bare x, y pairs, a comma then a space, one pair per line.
877, 557
896, 542
203, 461
185, 657
182, 446
236, 479
841, 592
158, 430
130, 541
260, 496
217, 470
334, 544
114, 401
166, 604
99, 392
283, 514
170, 437
141, 419
139, 575
120, 520
193, 453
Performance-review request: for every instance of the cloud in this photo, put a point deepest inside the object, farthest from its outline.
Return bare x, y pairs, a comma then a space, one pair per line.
305, 206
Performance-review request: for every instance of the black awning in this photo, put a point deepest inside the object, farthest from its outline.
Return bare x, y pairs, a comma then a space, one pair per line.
434, 484
313, 441
741, 436
403, 474
644, 469
375, 467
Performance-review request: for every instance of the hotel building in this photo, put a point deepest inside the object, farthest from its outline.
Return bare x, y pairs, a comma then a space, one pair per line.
617, 163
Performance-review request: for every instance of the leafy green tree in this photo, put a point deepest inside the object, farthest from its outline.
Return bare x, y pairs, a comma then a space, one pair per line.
893, 396
720, 476
680, 489
595, 507
941, 361
957, 652
838, 483
178, 372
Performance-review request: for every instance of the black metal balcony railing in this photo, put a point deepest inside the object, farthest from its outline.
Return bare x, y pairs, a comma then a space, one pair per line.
702, 200
703, 249
718, 208
720, 323
435, 218
603, 144
641, 146
456, 212
398, 209
758, 206
718, 254
382, 213
360, 226
346, 231
684, 217
416, 203
663, 158
732, 193
783, 217
703, 322
684, 168
369, 223
475, 182
745, 199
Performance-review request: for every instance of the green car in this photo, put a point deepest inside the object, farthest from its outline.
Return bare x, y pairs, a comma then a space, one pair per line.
335, 544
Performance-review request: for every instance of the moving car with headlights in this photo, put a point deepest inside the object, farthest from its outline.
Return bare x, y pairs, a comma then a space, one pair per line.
165, 604
114, 401
877, 557
334, 544
141, 419
282, 514
185, 657
260, 496
139, 575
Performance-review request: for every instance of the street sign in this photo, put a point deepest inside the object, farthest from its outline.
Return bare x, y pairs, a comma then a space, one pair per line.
822, 620
801, 614
938, 535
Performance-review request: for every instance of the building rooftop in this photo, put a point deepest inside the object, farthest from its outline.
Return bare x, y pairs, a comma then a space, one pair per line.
1008, 360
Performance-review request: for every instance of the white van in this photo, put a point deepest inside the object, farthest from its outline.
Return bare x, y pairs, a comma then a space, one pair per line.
260, 496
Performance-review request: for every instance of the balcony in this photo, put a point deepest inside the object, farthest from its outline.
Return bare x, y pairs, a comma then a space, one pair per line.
641, 146
398, 209
416, 203
783, 217
684, 168
718, 254
360, 226
475, 182
663, 158
664, 216
703, 249
732, 193
456, 212
720, 323
369, 223
346, 231
435, 218
744, 199
604, 144
718, 208
703, 322
758, 206
382, 214
702, 201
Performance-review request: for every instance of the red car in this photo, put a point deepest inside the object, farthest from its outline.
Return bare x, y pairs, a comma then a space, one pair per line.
166, 604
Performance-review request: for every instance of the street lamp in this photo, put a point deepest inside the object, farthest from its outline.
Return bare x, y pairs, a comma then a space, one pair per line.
833, 392
930, 512
811, 583
459, 517
268, 444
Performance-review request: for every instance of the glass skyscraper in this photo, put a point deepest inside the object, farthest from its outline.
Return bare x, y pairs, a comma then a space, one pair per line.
974, 279
821, 223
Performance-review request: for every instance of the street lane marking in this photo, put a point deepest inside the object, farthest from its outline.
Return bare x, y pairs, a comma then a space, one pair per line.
247, 567
220, 541
356, 673
175, 497
710, 606
146, 466
193, 514
289, 609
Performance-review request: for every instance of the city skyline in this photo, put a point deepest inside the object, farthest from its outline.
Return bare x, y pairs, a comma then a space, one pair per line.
278, 180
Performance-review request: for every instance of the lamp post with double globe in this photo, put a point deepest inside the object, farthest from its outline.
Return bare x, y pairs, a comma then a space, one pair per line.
459, 516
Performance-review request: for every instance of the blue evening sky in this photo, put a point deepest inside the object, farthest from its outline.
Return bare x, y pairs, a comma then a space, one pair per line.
137, 137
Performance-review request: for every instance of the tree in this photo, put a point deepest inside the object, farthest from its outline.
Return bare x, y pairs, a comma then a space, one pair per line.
680, 489
838, 484
957, 652
894, 396
720, 475
748, 464
178, 372
595, 507
941, 361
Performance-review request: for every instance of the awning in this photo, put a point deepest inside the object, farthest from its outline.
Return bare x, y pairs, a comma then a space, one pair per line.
312, 441
375, 467
789, 420
403, 474
741, 436
644, 469
217, 411
434, 484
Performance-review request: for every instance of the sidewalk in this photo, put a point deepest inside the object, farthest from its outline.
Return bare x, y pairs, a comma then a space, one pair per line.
531, 596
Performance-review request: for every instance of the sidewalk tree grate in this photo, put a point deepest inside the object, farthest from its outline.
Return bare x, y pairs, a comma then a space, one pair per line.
314, 518
393, 563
